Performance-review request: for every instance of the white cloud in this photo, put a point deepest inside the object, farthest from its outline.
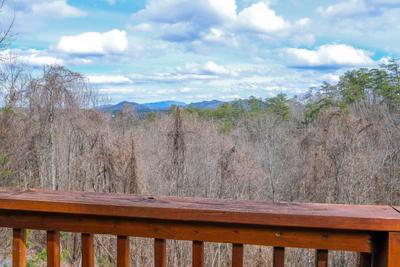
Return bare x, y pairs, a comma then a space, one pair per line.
304, 22
334, 55
94, 43
180, 75
331, 77
37, 60
185, 90
357, 7
212, 20
33, 10
174, 11
209, 69
32, 15
116, 91
213, 68
185, 85
56, 8
32, 57
79, 61
261, 18
109, 79
344, 9
303, 39
142, 27
385, 2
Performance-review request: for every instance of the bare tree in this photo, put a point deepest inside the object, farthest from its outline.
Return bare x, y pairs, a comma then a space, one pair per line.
51, 137
5, 31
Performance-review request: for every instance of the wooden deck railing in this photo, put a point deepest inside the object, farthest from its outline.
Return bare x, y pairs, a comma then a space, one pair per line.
372, 231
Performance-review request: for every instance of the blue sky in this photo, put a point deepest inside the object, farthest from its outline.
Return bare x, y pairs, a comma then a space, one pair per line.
192, 50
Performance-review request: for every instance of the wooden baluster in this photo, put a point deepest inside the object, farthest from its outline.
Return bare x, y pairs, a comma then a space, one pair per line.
87, 250
237, 255
53, 249
387, 250
160, 253
321, 259
198, 254
19, 248
123, 251
394, 249
279, 257
365, 260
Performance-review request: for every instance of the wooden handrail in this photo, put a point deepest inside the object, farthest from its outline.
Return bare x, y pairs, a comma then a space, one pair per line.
373, 231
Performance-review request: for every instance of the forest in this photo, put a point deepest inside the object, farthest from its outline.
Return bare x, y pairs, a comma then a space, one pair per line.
339, 143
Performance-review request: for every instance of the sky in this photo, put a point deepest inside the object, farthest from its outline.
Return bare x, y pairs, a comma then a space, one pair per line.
194, 50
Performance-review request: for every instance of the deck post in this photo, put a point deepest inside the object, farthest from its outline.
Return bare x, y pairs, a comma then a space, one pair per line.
387, 250
321, 258
394, 249
160, 252
198, 254
278, 257
19, 248
53, 249
123, 251
87, 250
237, 255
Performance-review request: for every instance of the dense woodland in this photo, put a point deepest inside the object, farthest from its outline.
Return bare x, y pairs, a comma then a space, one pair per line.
338, 144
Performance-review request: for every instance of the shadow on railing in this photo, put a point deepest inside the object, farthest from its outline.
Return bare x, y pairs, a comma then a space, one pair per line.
373, 231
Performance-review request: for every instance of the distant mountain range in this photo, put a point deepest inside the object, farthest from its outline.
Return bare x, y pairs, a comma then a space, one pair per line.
161, 106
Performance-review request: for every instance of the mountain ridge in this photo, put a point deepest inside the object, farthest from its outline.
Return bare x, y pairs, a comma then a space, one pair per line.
159, 106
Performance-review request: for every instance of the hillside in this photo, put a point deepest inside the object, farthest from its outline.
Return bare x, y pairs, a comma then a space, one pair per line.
160, 106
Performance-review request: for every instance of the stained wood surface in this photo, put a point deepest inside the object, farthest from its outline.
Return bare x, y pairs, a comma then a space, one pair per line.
87, 250
198, 254
160, 252
185, 230
19, 248
278, 257
53, 249
351, 217
123, 251
394, 250
321, 258
237, 255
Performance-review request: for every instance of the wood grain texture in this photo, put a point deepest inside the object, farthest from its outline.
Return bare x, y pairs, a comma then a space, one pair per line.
237, 255
278, 257
160, 252
198, 254
19, 248
366, 229
359, 217
53, 249
321, 258
87, 250
209, 232
123, 251
394, 249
